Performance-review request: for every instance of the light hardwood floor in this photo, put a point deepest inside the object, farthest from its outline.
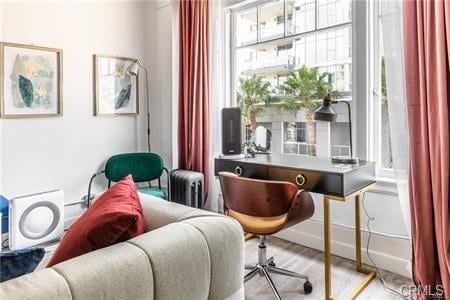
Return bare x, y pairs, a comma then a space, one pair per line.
310, 262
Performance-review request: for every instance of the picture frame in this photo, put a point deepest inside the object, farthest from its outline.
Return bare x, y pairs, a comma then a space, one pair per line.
116, 93
31, 82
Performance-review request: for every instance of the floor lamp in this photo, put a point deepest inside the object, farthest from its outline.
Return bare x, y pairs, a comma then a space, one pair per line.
326, 113
133, 70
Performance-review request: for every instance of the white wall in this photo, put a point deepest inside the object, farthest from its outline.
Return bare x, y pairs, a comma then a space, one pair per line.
158, 45
47, 153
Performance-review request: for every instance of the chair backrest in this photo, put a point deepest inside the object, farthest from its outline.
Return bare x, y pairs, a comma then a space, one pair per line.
254, 197
142, 166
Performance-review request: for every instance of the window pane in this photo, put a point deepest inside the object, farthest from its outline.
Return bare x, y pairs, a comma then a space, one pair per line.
339, 139
305, 50
271, 20
327, 50
246, 31
301, 16
267, 61
332, 12
386, 154
334, 57
300, 138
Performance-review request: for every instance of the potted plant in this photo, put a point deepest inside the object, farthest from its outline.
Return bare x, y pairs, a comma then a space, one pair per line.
253, 93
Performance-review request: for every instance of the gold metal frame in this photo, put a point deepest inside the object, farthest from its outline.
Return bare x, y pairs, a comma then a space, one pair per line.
59, 63
96, 85
370, 275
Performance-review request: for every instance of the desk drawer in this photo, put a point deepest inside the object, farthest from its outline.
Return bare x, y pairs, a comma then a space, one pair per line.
323, 183
241, 169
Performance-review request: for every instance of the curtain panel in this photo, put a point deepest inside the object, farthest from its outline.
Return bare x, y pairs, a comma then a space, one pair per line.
193, 88
426, 26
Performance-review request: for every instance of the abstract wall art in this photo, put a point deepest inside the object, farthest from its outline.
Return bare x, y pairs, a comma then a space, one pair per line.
31, 81
115, 91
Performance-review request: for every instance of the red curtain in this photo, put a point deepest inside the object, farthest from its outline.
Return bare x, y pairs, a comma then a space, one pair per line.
193, 89
426, 26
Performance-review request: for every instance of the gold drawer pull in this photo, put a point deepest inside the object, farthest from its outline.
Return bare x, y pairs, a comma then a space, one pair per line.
300, 179
238, 171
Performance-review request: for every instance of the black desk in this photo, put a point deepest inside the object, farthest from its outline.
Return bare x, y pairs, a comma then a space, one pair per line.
319, 175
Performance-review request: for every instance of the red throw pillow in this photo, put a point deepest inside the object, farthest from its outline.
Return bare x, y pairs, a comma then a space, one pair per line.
115, 216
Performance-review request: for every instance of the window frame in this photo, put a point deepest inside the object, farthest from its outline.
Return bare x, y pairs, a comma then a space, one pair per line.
383, 174
365, 73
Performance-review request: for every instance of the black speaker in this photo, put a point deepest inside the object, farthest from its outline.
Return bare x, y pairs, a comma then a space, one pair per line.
231, 131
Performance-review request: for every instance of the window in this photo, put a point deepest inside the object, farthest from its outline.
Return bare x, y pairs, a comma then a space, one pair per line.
291, 34
382, 141
247, 23
299, 138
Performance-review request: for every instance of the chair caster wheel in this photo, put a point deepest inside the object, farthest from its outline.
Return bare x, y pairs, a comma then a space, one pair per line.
307, 287
272, 264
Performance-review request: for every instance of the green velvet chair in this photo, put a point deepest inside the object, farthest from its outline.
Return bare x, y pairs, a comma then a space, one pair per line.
143, 166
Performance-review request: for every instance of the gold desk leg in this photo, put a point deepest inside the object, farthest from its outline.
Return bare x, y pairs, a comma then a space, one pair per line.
370, 275
358, 233
327, 245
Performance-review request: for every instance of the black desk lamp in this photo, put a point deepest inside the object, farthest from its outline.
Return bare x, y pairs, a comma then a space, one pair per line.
326, 113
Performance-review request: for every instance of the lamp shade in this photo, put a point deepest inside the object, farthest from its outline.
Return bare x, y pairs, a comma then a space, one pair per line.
133, 68
325, 112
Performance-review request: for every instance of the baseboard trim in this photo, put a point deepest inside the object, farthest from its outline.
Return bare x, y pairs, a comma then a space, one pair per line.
389, 253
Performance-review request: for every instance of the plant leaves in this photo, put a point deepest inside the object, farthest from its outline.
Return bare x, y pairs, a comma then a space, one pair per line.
253, 92
303, 87
26, 90
123, 98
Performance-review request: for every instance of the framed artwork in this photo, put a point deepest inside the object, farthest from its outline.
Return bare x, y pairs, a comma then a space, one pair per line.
31, 81
115, 91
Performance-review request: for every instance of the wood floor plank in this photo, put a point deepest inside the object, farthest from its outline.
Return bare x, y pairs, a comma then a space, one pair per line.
309, 261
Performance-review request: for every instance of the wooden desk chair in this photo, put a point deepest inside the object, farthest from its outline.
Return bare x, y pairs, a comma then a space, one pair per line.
265, 207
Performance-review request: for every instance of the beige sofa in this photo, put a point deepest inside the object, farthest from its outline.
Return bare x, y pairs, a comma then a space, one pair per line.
186, 254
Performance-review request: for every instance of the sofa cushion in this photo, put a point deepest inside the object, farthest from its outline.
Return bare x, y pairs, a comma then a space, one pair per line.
115, 216
227, 258
180, 261
41, 285
158, 213
121, 271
